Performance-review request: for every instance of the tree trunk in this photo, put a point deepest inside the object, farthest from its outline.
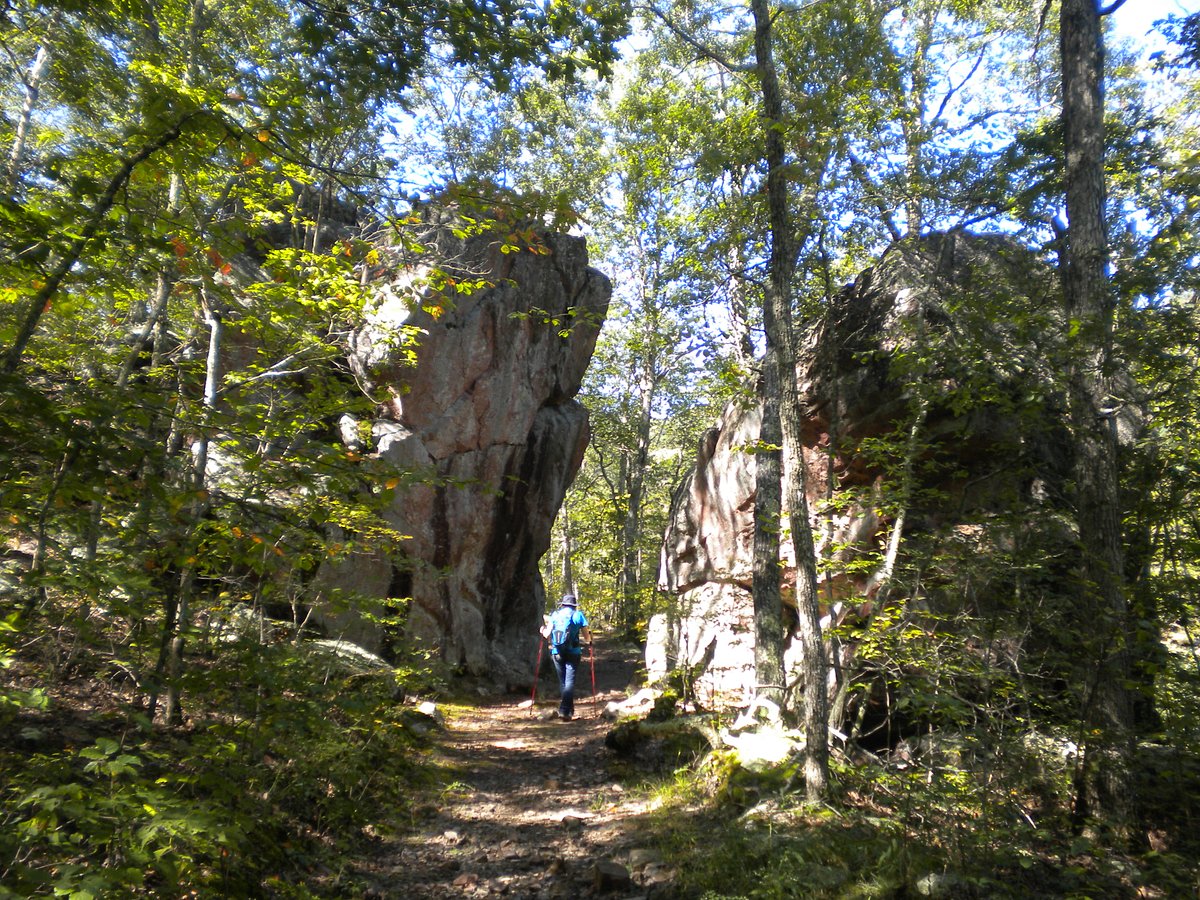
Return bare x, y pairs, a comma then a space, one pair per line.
1105, 790
739, 311
907, 483
40, 301
180, 623
33, 89
568, 570
765, 584
780, 367
172, 711
636, 482
913, 125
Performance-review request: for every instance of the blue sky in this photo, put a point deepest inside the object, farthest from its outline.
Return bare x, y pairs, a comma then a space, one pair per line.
1137, 17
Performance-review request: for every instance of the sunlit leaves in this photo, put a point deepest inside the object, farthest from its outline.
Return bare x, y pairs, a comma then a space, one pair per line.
385, 46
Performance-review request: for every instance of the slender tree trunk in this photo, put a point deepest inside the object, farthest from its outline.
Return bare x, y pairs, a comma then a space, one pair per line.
33, 89
180, 624
739, 310
548, 570
632, 526
907, 483
912, 447
172, 711
37, 566
815, 661
568, 569
913, 126
768, 513
828, 363
1105, 792
780, 366
40, 301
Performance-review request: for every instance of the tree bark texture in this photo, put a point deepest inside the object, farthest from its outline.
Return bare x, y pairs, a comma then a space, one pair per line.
636, 483
173, 710
33, 89
568, 568
1105, 783
780, 365
766, 579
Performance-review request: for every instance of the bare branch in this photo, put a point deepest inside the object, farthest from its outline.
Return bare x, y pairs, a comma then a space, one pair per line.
705, 51
955, 88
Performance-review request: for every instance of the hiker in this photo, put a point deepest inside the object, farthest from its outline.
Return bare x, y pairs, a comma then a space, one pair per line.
567, 630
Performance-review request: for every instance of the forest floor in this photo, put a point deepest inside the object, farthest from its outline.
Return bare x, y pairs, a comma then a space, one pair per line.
531, 806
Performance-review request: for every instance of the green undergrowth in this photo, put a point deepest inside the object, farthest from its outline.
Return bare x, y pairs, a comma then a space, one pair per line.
283, 768
894, 830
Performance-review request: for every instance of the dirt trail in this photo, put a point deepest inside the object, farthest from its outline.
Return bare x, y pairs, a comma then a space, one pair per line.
536, 811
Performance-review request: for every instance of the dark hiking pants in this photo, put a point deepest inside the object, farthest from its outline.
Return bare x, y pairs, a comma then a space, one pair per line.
566, 666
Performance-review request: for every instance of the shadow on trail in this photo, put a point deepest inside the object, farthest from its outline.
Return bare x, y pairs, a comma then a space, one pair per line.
530, 805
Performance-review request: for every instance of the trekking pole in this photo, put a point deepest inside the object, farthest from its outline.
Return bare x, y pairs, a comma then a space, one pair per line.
537, 668
592, 657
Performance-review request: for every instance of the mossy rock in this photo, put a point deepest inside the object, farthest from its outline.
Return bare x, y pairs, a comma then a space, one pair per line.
666, 744
664, 706
733, 783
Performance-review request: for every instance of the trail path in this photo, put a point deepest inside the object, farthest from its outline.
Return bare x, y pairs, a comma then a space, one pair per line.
536, 810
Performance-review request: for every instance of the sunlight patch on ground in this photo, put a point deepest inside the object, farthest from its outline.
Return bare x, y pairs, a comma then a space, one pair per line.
562, 815
511, 744
530, 816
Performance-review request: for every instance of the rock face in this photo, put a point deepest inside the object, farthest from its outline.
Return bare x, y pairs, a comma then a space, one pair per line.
482, 423
705, 566
929, 389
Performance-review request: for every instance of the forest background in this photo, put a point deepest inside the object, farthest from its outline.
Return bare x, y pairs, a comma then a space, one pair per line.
147, 140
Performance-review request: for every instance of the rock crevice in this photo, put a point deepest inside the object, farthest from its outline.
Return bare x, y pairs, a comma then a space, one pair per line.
484, 424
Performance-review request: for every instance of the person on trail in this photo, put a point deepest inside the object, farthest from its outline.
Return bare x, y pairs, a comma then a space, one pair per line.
567, 631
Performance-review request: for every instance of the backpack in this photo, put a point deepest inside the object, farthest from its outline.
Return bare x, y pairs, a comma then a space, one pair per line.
564, 632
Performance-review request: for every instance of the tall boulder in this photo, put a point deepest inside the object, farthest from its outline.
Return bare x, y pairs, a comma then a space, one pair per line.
930, 399
480, 419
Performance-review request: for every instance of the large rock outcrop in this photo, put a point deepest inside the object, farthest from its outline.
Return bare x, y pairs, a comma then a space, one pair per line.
481, 419
929, 386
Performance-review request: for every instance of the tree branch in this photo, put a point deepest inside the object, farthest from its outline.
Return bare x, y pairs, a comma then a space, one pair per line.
864, 176
955, 88
699, 46
46, 293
